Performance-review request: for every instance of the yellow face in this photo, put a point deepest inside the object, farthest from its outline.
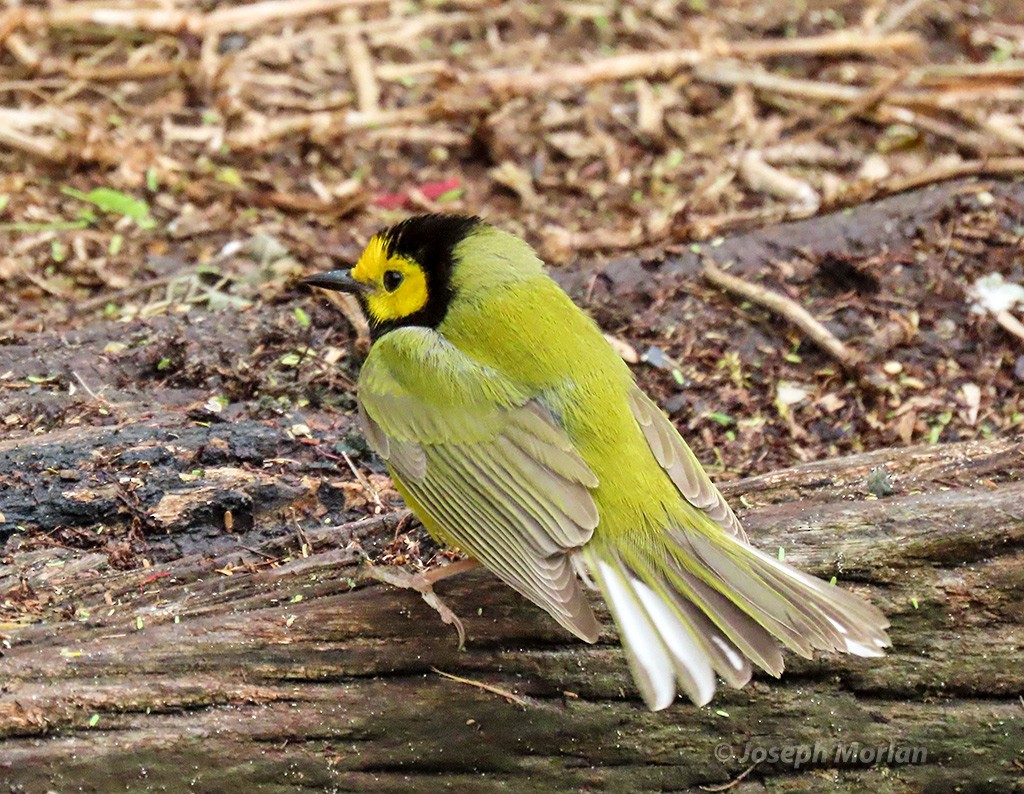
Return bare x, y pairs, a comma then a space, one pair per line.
397, 284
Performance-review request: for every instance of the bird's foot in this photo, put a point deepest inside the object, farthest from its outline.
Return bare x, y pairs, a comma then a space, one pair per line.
423, 583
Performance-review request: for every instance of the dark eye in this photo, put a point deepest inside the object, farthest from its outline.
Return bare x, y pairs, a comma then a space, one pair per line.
392, 280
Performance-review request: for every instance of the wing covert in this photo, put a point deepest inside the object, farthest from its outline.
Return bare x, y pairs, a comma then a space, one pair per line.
682, 466
488, 467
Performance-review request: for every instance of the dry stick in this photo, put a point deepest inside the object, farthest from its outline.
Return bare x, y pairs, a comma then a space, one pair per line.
325, 126
898, 15
765, 178
254, 15
1011, 324
91, 304
650, 64
360, 64
841, 42
851, 360
435, 135
1001, 126
10, 21
866, 102
731, 73
120, 73
1011, 71
379, 31
486, 687
22, 51
36, 145
734, 73
223, 20
73, 15
966, 139
993, 166
732, 783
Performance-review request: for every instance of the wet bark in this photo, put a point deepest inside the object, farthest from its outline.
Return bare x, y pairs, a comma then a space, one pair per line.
214, 670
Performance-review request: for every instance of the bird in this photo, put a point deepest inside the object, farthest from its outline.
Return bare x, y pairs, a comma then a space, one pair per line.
517, 434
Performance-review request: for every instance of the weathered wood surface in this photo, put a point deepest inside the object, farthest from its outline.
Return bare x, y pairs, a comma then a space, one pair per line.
147, 648
196, 680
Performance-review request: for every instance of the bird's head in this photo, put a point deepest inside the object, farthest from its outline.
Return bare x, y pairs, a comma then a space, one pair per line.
404, 276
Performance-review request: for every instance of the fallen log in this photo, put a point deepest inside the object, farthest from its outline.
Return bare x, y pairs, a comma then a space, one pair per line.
182, 607
252, 670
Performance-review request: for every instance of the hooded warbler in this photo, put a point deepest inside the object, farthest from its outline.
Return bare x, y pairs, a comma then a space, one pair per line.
516, 433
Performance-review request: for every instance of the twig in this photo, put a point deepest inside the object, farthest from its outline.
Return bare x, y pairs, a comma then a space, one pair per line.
734, 73
851, 360
44, 148
840, 42
562, 244
263, 554
1011, 324
335, 207
1011, 72
363, 481
732, 783
979, 144
168, 20
993, 166
379, 32
765, 178
898, 15
325, 126
97, 397
486, 687
866, 102
436, 135
83, 307
22, 51
707, 226
652, 64
10, 21
360, 64
1002, 126
136, 71
256, 15
305, 547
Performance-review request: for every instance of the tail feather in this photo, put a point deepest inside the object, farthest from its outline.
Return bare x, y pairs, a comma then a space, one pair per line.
717, 604
784, 617
727, 660
859, 626
661, 650
828, 617
751, 638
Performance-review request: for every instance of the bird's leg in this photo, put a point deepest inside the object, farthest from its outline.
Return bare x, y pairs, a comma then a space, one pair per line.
423, 583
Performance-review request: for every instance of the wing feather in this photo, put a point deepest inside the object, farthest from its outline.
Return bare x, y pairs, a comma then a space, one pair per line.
488, 466
682, 466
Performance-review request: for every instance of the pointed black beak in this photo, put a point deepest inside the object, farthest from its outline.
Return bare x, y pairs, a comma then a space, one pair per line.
337, 280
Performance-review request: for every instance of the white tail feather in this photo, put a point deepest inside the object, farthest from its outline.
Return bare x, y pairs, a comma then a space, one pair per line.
661, 648
680, 627
693, 669
652, 668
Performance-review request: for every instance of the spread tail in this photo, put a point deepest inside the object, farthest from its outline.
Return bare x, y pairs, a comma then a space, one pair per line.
718, 604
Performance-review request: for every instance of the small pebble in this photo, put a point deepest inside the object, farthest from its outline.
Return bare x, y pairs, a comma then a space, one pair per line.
892, 367
945, 328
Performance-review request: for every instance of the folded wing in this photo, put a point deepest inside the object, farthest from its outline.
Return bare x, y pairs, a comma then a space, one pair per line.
484, 466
